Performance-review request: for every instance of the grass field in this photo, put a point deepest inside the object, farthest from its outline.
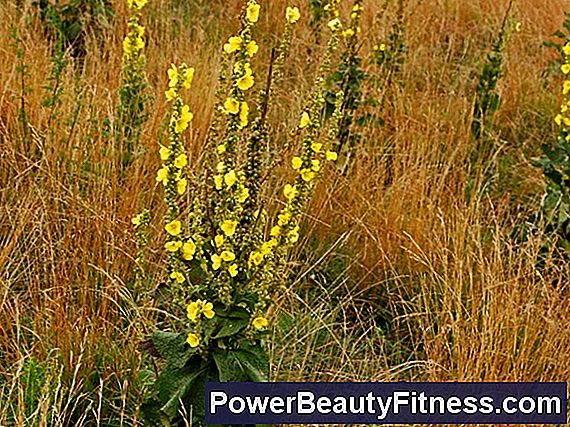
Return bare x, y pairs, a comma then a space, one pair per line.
410, 266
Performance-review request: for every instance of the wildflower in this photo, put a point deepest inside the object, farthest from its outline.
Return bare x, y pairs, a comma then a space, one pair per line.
137, 220
297, 162
179, 277
218, 182
229, 227
284, 218
162, 175
188, 250
565, 68
185, 118
181, 161
219, 240
558, 119
566, 87
245, 82
566, 49
260, 323
307, 175
316, 165
243, 114
193, 340
518, 26
349, 32
267, 247
173, 246
173, 227
293, 235
181, 186
316, 147
233, 44
193, 310
170, 94
305, 120
251, 48
275, 231
231, 106
233, 270
382, 47
172, 76
331, 155
252, 12
289, 191
164, 153
216, 261
334, 24
188, 77
208, 310
227, 256
292, 14
243, 195
221, 149
255, 258
230, 178
220, 167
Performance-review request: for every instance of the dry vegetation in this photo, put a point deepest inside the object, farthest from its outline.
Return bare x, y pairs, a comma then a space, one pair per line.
406, 281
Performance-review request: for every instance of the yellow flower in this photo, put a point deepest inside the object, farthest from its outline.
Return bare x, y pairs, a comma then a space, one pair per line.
136, 221
331, 155
316, 147
231, 106
243, 114
284, 218
251, 48
566, 87
252, 12
307, 175
219, 240
316, 165
565, 68
245, 82
233, 44
349, 32
382, 47
188, 77
289, 191
229, 227
185, 118
297, 162
170, 94
233, 270
219, 182
162, 175
220, 167
292, 14
181, 161
243, 195
193, 340
294, 235
208, 310
566, 49
230, 178
275, 231
179, 277
172, 76
228, 256
193, 310
221, 149
334, 24
260, 323
188, 250
181, 186
255, 258
164, 153
173, 227
173, 246
558, 119
305, 120
216, 261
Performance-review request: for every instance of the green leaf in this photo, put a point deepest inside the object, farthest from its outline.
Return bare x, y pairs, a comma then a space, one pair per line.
232, 323
171, 346
246, 364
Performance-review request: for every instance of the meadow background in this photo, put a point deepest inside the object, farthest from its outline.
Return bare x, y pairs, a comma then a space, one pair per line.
399, 276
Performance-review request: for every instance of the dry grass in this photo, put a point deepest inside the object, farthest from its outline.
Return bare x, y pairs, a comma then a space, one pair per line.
419, 284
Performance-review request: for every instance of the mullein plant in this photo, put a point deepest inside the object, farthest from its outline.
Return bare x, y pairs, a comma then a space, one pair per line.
131, 113
226, 256
555, 164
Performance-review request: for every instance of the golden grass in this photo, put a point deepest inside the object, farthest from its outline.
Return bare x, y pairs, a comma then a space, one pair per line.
462, 299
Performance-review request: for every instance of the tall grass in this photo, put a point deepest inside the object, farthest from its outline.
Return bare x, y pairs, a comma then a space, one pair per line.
406, 281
